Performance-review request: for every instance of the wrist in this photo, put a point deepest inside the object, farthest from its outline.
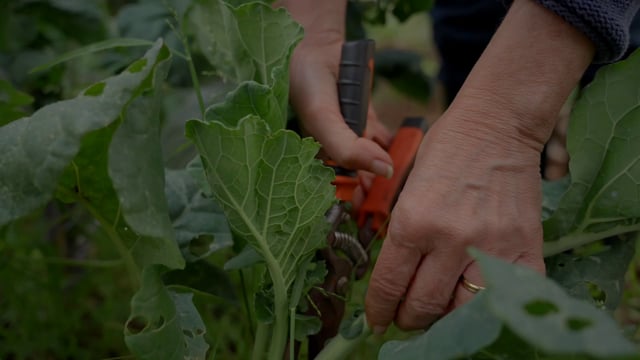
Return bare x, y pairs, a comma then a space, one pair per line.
479, 122
530, 67
493, 118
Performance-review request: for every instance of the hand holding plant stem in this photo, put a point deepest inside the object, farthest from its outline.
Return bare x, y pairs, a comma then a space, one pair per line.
476, 180
341, 346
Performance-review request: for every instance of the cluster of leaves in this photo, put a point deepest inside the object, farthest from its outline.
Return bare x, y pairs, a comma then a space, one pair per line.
101, 154
273, 190
102, 151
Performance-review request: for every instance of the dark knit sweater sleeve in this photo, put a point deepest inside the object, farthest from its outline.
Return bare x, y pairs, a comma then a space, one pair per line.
605, 22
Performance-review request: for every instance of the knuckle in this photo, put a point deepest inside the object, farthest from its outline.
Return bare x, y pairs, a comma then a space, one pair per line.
426, 307
386, 290
398, 226
347, 158
407, 220
347, 153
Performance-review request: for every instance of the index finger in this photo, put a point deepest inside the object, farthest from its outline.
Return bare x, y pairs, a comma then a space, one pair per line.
390, 279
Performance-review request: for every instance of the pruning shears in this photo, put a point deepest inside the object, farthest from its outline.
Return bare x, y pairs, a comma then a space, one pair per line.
347, 256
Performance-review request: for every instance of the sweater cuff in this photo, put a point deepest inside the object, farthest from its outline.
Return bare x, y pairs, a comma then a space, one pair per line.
606, 23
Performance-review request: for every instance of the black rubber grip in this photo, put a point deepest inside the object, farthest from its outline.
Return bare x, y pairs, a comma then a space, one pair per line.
354, 82
416, 122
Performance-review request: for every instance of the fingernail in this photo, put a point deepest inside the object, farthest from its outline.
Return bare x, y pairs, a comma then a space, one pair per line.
379, 330
381, 168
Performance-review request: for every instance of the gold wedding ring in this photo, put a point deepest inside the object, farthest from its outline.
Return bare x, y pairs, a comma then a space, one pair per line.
469, 286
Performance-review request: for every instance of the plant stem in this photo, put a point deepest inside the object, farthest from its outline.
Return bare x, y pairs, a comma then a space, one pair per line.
189, 59
260, 342
194, 78
575, 240
192, 72
247, 307
340, 347
292, 332
281, 311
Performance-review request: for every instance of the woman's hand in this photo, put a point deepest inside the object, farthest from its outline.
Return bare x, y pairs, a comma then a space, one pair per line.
314, 93
470, 187
314, 97
476, 180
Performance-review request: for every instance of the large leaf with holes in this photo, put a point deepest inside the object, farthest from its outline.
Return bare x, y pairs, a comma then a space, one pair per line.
604, 196
36, 150
118, 171
164, 324
460, 334
596, 277
520, 315
541, 313
271, 187
136, 170
251, 45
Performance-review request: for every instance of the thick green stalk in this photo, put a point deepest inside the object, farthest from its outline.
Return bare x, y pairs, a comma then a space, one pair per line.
281, 311
260, 342
292, 332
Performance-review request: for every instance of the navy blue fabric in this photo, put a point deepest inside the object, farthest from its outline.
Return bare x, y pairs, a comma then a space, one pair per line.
605, 22
462, 29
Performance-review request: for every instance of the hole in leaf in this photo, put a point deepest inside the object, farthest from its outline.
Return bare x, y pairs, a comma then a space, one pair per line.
95, 89
199, 332
578, 324
187, 333
158, 323
541, 308
137, 66
164, 53
560, 265
137, 324
597, 294
201, 245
